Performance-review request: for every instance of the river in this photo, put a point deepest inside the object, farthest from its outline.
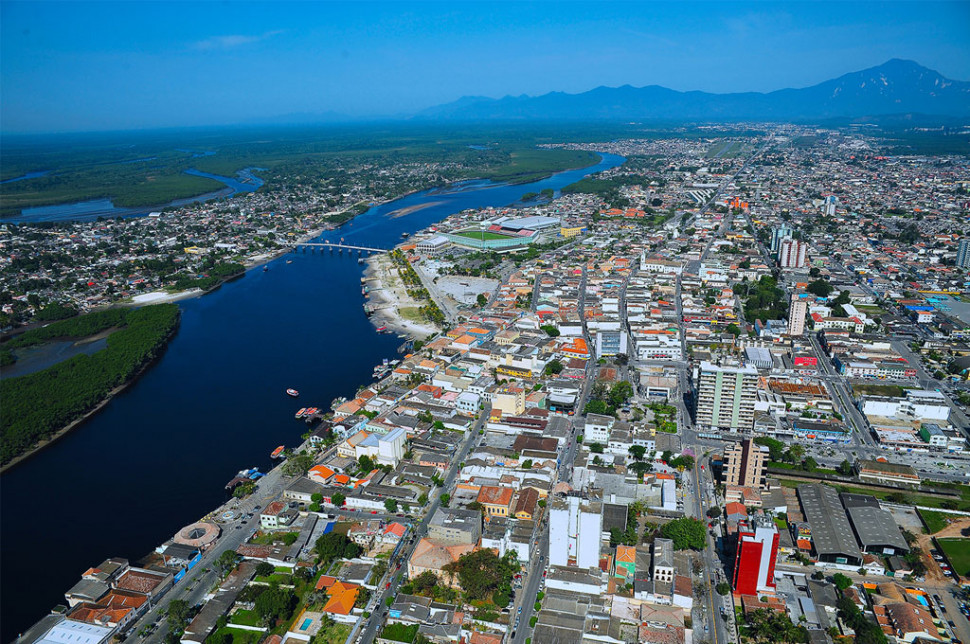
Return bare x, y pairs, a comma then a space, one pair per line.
244, 181
157, 456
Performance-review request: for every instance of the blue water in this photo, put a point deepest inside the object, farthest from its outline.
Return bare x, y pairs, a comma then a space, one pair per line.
34, 359
245, 181
157, 456
29, 175
306, 624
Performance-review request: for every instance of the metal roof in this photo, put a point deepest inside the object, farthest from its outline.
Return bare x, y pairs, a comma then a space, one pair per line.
831, 532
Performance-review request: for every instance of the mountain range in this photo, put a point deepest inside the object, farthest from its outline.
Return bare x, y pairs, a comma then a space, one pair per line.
895, 87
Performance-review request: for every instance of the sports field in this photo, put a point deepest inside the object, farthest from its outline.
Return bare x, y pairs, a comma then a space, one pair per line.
957, 551
475, 234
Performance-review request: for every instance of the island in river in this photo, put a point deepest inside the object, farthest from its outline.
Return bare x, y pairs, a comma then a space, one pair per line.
40, 407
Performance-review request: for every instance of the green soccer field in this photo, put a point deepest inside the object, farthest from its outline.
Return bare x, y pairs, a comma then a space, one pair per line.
957, 551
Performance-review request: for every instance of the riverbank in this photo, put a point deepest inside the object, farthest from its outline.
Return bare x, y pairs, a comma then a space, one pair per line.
390, 302
157, 350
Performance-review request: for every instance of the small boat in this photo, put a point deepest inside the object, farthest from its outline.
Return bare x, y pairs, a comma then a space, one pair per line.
265, 268
289, 261
405, 235
360, 260
381, 329
277, 452
292, 392
301, 412
311, 410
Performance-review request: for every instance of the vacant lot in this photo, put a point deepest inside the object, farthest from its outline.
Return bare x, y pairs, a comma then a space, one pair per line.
935, 521
878, 390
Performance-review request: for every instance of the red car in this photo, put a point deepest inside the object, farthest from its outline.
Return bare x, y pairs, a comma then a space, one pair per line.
373, 511
387, 586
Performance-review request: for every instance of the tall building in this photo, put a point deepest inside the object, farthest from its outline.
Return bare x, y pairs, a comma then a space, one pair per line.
726, 397
963, 253
791, 253
779, 233
797, 311
829, 206
575, 532
754, 561
744, 464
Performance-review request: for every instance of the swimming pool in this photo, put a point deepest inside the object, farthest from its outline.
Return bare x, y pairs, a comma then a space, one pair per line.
306, 624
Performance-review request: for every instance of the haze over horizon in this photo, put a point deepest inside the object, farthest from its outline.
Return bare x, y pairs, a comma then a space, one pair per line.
82, 66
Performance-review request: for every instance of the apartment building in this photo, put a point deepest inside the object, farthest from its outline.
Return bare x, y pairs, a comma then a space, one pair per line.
726, 397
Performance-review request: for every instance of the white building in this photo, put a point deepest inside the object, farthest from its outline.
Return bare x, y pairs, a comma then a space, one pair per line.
433, 245
917, 405
386, 449
575, 531
791, 253
797, 311
598, 428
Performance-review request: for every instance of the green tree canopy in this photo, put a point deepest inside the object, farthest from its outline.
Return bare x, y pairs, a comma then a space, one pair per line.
686, 533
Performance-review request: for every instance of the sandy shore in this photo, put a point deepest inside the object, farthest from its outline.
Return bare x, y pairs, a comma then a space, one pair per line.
388, 297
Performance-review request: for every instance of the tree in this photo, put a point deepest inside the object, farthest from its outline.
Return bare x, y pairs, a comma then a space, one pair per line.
820, 287
637, 452
178, 613
550, 330
734, 329
845, 468
554, 367
776, 449
264, 569
841, 581
482, 572
723, 588
333, 546
445, 499
227, 561
527, 464
596, 407
795, 453
423, 499
337, 499
275, 604
685, 532
298, 465
620, 393
482, 300
714, 512
316, 497
810, 464
390, 505
365, 463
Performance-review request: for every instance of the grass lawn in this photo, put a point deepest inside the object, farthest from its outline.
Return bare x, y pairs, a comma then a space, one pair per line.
474, 234
335, 634
935, 521
244, 617
277, 577
411, 313
239, 636
958, 552
879, 390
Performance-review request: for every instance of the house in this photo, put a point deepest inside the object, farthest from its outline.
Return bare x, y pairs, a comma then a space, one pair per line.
341, 597
495, 500
429, 556
276, 515
526, 503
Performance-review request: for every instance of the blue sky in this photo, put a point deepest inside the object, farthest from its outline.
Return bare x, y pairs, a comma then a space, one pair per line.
96, 66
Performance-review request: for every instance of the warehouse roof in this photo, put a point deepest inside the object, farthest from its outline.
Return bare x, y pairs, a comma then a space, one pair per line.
875, 527
831, 532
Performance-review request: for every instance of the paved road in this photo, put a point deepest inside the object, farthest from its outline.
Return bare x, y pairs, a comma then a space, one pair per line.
378, 606
203, 577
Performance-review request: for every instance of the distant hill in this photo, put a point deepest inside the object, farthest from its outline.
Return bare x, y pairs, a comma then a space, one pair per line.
895, 87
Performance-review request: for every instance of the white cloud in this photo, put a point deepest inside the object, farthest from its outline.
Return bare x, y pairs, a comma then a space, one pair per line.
233, 41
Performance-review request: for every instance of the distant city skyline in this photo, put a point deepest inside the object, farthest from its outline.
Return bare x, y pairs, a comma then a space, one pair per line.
75, 66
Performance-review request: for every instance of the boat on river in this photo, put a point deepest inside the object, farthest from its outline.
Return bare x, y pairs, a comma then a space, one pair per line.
277, 452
